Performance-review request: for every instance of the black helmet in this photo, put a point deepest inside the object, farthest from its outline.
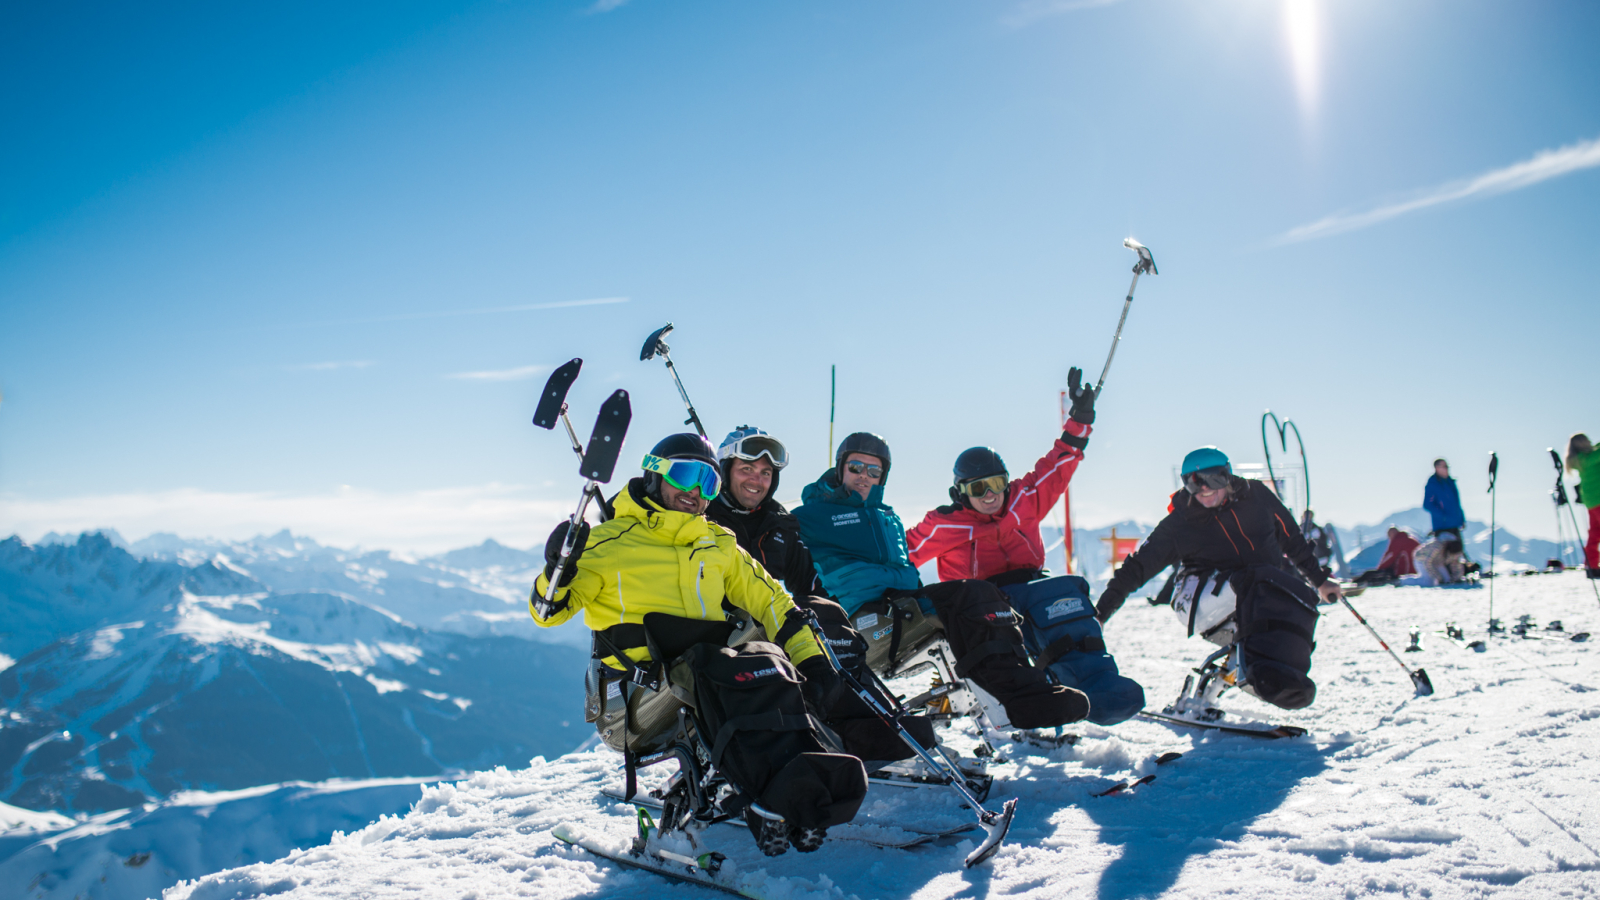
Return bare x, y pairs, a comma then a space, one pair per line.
978, 462
972, 464
863, 442
677, 446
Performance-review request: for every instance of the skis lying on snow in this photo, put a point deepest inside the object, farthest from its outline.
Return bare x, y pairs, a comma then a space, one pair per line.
1265, 730
857, 832
1123, 787
704, 870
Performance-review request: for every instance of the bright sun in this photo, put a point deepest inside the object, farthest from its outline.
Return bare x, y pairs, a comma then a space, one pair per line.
1301, 25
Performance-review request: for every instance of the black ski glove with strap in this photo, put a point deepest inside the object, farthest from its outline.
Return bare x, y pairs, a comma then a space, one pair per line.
1082, 397
822, 687
552, 551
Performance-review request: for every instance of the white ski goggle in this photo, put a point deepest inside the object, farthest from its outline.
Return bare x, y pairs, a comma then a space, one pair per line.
754, 446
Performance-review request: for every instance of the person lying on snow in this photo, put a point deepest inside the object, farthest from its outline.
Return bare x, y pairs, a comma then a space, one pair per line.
859, 546
1232, 535
1399, 559
751, 461
991, 531
657, 570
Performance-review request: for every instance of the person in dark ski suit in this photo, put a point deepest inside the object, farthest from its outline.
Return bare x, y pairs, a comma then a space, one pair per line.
859, 546
1222, 523
991, 531
1443, 501
657, 568
751, 461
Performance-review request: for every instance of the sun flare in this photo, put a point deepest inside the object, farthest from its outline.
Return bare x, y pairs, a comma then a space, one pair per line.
1302, 29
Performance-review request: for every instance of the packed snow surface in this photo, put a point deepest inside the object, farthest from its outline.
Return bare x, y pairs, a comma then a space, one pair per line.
1486, 789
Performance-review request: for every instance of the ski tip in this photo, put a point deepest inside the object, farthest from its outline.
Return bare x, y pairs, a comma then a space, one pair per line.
996, 824
1165, 758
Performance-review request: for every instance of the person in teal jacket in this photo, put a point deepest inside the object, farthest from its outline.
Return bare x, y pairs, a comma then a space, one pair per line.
857, 542
858, 546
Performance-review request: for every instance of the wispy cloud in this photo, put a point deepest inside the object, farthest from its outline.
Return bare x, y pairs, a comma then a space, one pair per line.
605, 6
330, 366
517, 374
1543, 166
425, 521
1031, 11
448, 313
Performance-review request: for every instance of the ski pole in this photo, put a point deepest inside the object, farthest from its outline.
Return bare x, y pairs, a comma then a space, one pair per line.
1561, 485
1494, 471
1146, 263
599, 461
994, 824
1419, 678
656, 345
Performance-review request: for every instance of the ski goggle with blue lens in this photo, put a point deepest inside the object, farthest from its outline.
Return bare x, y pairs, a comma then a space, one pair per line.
686, 474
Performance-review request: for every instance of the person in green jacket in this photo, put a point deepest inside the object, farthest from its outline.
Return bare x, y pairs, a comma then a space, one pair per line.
1584, 460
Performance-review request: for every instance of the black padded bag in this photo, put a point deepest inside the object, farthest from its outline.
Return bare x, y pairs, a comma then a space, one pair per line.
984, 634
750, 711
862, 732
1277, 620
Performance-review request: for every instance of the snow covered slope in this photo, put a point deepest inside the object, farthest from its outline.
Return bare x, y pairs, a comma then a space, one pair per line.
1486, 789
134, 853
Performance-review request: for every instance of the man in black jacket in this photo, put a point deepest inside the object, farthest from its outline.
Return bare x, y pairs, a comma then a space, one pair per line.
751, 460
1221, 523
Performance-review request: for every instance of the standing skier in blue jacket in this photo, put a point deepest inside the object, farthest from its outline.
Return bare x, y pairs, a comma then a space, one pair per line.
1442, 501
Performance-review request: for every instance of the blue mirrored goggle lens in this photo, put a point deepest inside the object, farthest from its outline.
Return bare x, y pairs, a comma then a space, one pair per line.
689, 474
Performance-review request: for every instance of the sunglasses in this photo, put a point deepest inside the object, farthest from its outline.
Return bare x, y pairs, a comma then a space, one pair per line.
1215, 478
856, 467
977, 487
686, 474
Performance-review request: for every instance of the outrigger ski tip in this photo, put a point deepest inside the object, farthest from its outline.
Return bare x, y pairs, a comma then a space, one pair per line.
996, 824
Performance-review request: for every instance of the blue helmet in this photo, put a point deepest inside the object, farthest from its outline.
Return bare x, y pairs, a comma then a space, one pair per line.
1205, 458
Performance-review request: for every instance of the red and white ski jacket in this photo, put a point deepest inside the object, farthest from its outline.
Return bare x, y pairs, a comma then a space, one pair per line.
969, 544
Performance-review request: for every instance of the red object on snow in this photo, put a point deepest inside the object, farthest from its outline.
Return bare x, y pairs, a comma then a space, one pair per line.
1400, 556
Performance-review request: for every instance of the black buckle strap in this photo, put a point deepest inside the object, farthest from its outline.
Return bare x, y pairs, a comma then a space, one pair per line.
767, 721
983, 651
1068, 644
613, 641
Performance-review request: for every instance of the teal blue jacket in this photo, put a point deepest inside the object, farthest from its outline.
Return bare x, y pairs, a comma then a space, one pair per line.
858, 546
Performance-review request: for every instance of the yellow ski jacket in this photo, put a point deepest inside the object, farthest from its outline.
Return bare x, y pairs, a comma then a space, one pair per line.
647, 559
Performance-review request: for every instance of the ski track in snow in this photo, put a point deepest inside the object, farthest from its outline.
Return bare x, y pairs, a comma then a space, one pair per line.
1486, 789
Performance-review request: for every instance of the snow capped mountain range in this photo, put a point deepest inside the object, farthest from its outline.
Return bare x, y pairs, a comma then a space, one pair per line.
257, 664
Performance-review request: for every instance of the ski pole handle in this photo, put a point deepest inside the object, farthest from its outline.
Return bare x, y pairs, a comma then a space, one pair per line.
567, 544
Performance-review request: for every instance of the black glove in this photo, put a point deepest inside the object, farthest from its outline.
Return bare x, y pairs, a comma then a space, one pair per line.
552, 551
822, 686
1082, 398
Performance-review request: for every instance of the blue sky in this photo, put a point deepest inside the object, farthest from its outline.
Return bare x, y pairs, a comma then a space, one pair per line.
296, 266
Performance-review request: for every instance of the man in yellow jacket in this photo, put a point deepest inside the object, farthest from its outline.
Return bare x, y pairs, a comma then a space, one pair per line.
657, 553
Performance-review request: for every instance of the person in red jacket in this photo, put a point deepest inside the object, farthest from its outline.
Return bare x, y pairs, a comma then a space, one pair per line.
991, 532
1399, 559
